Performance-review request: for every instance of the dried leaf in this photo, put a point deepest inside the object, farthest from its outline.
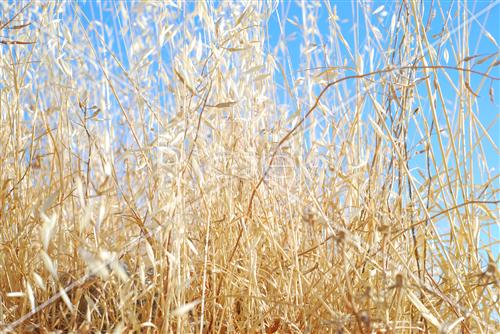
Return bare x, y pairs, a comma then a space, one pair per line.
262, 77
245, 12
378, 130
378, 10
238, 49
484, 59
491, 38
151, 254
424, 311
469, 88
39, 281
183, 309
224, 104
15, 294
49, 265
184, 82
445, 56
469, 58
31, 296
47, 229
66, 299
254, 69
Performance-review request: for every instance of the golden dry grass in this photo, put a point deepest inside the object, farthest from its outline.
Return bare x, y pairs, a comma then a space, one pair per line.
166, 170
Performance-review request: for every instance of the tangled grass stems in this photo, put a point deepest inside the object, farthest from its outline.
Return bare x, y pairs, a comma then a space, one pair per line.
181, 168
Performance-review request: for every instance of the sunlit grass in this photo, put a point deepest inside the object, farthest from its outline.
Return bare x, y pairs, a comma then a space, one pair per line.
166, 168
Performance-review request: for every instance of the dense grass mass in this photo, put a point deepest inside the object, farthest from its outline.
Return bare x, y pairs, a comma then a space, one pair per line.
256, 167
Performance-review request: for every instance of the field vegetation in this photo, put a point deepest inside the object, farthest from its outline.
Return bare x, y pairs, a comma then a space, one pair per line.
249, 167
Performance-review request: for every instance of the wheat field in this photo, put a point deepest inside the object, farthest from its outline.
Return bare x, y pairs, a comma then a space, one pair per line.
249, 167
